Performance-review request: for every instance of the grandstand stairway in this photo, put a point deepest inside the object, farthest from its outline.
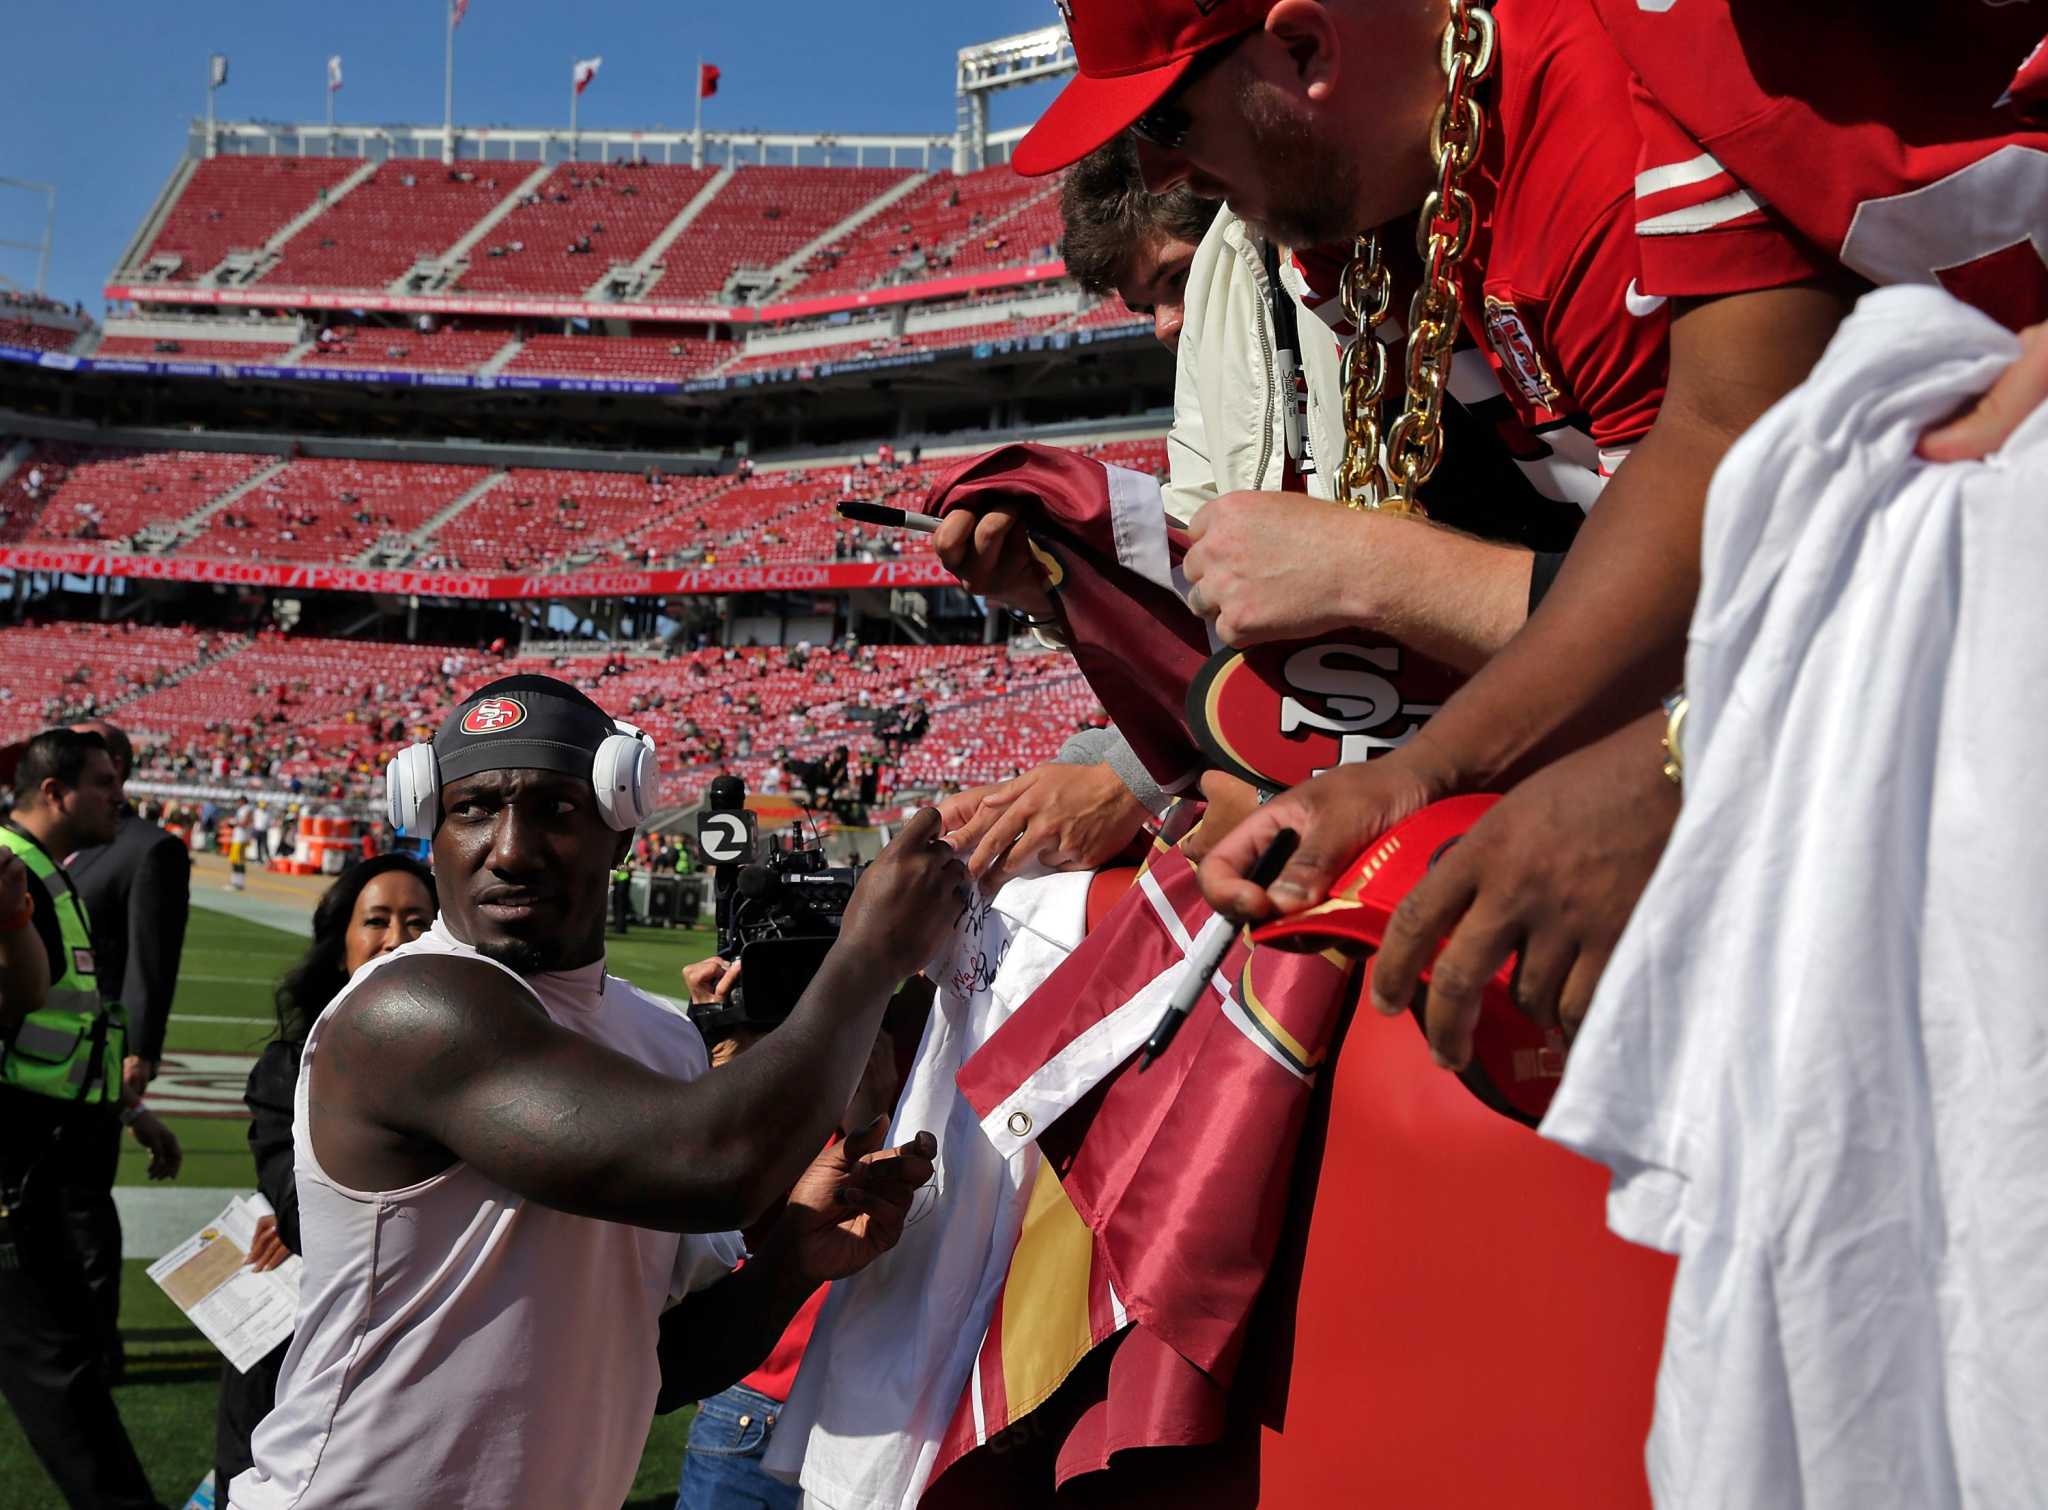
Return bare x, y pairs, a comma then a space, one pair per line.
135, 260
431, 278
502, 358
647, 261
17, 453
198, 663
268, 255
784, 270
414, 541
1016, 212
167, 538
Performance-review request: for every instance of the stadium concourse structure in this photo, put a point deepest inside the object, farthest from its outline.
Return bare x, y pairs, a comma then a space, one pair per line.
377, 414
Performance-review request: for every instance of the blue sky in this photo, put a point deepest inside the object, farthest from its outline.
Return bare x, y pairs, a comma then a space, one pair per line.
102, 90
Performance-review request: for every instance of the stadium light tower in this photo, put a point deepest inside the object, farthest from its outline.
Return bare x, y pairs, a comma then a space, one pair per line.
40, 248
988, 68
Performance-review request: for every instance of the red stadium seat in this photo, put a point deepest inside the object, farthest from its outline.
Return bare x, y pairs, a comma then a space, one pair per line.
619, 207
761, 216
235, 204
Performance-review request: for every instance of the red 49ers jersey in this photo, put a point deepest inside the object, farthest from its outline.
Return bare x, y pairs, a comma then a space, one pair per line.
1781, 141
1549, 289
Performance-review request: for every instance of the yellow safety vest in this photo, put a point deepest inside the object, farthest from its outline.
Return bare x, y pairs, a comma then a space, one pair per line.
73, 1047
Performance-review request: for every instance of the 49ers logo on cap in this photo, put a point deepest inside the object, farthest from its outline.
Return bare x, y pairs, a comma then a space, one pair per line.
494, 715
1278, 714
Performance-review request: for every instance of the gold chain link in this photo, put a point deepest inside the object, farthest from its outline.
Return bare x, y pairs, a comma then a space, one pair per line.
1385, 472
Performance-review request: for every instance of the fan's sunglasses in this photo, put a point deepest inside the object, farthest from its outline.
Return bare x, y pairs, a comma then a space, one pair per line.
1166, 124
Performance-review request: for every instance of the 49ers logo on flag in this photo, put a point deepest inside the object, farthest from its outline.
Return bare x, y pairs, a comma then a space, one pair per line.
1279, 714
494, 715
1509, 333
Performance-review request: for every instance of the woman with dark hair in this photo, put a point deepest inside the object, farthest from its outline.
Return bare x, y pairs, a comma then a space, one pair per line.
372, 908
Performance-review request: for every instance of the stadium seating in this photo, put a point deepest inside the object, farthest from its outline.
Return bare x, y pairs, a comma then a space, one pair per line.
310, 510
993, 714
328, 713
36, 337
331, 510
761, 216
108, 495
1107, 314
238, 203
70, 670
910, 238
619, 207
321, 712
656, 358
539, 517
444, 350
1031, 234
194, 349
409, 208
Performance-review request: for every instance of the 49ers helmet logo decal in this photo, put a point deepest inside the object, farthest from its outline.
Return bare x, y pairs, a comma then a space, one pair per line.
1279, 714
494, 715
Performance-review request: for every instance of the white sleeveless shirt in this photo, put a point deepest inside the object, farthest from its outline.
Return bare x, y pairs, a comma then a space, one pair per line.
459, 1344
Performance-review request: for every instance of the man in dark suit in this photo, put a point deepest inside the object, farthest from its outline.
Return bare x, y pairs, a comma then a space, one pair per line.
138, 891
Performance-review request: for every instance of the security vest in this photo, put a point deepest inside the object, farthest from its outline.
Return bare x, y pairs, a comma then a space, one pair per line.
72, 1048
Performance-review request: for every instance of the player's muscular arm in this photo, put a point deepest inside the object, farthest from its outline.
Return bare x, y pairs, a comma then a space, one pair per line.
438, 1059
1609, 639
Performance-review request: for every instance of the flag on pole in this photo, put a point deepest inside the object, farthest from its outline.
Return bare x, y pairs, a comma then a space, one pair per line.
334, 73
707, 80
584, 71
220, 69
461, 7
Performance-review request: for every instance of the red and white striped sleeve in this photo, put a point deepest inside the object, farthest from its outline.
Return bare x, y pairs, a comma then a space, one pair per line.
1699, 230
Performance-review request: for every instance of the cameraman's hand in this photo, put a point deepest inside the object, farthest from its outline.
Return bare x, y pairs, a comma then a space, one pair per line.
989, 552
906, 902
710, 980
1064, 817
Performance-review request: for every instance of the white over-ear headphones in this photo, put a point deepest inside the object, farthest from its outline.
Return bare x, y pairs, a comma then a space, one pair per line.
624, 773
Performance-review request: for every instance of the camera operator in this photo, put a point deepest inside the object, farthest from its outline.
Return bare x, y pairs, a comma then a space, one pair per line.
500, 1146
730, 1433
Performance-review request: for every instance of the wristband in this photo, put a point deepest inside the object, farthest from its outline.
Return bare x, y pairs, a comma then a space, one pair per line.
129, 1114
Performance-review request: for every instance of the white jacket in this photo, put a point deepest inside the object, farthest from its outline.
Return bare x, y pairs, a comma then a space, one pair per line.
1228, 430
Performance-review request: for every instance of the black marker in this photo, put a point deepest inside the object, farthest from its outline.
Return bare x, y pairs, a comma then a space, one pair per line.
1209, 947
881, 513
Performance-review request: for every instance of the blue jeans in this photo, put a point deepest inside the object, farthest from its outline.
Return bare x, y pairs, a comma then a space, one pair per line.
722, 1469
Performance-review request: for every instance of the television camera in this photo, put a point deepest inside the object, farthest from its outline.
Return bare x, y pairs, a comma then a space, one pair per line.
778, 905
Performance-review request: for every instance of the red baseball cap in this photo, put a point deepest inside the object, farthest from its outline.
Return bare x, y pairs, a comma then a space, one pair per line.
1516, 1063
1130, 53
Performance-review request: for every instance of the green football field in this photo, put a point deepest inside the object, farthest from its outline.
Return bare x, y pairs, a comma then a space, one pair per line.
223, 1007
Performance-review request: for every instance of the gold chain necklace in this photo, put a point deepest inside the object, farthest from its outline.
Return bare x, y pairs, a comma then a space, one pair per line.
1385, 475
